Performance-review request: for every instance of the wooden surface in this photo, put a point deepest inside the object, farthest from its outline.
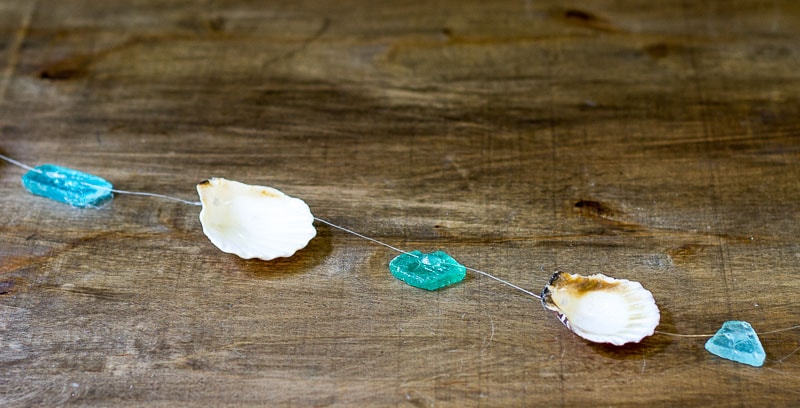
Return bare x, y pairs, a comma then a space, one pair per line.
653, 141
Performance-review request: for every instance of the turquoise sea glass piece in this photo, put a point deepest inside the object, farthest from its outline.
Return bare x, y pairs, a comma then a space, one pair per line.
68, 186
737, 341
427, 271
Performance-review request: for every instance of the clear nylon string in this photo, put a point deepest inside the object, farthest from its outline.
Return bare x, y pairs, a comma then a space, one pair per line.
339, 227
486, 274
113, 190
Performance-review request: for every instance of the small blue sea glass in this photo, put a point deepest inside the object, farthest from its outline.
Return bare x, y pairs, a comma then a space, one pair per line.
737, 341
68, 186
427, 271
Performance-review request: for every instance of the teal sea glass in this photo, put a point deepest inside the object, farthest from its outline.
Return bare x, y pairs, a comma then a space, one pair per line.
68, 186
737, 341
427, 271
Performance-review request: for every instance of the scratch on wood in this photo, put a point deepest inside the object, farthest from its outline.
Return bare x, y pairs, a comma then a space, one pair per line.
784, 374
16, 47
326, 23
39, 394
644, 361
753, 377
97, 293
780, 360
491, 335
418, 400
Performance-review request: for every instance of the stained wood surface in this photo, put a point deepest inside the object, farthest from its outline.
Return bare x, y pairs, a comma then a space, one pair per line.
653, 141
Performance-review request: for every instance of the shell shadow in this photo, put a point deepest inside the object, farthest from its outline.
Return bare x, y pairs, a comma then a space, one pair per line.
301, 262
652, 344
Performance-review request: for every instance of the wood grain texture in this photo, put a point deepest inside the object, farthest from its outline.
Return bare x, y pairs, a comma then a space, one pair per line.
655, 141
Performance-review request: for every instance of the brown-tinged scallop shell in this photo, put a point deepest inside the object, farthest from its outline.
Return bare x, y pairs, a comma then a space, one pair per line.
602, 309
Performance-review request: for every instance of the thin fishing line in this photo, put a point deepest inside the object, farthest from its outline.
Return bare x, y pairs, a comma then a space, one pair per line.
683, 335
780, 360
488, 275
166, 197
16, 163
505, 282
349, 231
780, 330
362, 236
712, 335
114, 190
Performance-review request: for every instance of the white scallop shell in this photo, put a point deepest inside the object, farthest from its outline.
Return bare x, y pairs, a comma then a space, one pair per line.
254, 221
602, 309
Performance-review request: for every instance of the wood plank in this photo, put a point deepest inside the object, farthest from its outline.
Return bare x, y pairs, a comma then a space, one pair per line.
652, 141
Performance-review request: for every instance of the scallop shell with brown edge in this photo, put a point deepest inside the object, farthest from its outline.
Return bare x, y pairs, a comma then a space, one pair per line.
254, 221
602, 309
